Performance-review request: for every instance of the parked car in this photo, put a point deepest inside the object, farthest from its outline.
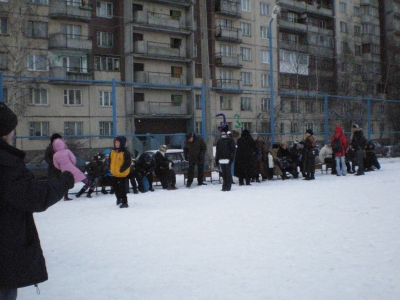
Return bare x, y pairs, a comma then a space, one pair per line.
38, 166
380, 150
176, 156
395, 150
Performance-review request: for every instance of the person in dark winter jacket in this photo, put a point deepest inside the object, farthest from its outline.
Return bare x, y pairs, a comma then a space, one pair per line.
260, 160
244, 160
286, 161
295, 153
52, 171
340, 156
95, 170
163, 169
371, 160
144, 167
194, 152
358, 142
309, 155
21, 257
132, 177
350, 159
120, 163
225, 153
108, 178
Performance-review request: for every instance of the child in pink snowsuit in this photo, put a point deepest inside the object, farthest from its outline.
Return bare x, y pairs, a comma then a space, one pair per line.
64, 160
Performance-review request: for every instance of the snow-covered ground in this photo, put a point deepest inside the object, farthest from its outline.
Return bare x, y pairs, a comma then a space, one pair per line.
333, 238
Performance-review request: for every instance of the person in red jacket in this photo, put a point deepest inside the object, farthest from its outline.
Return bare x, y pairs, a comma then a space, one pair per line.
339, 146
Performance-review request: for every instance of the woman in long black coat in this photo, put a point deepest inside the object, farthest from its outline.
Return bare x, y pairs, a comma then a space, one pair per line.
21, 257
246, 152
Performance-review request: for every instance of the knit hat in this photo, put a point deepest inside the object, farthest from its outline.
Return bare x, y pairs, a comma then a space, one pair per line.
106, 152
283, 144
147, 158
55, 136
355, 126
189, 135
309, 131
8, 120
163, 148
225, 129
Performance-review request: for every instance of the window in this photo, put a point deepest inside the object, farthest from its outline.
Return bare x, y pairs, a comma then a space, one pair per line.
225, 24
246, 29
175, 43
226, 50
292, 17
176, 72
37, 29
345, 47
37, 62
72, 31
75, 64
358, 69
198, 127
198, 101
356, 11
5, 95
247, 125
195, 50
381, 109
357, 50
197, 71
343, 27
310, 126
73, 128
343, 7
246, 53
310, 107
294, 127
266, 127
245, 103
3, 25
176, 100
265, 80
357, 30
264, 57
264, 32
74, 2
106, 128
138, 97
105, 98
104, 39
104, 63
294, 107
104, 9
245, 4
39, 2
264, 9
72, 97
246, 78
265, 104
38, 128
225, 102
175, 14
325, 41
3, 61
38, 96
226, 75
282, 128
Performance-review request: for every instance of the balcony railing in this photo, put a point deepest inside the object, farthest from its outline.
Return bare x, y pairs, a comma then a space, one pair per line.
229, 84
71, 42
160, 78
175, 2
228, 8
70, 73
162, 20
233, 61
80, 10
226, 33
160, 108
158, 49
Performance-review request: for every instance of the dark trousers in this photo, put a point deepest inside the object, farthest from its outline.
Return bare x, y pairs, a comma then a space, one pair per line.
200, 172
310, 165
226, 176
168, 178
8, 294
359, 162
330, 160
121, 188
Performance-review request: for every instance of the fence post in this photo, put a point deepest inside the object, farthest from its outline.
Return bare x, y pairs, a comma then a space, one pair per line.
203, 111
369, 117
1, 87
114, 101
326, 119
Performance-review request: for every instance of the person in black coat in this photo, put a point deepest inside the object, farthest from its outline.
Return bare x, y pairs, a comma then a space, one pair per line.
309, 155
21, 257
358, 142
163, 169
286, 162
144, 167
225, 153
371, 160
194, 152
246, 152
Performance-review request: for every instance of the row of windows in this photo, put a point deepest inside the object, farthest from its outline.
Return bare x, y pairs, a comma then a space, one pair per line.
70, 128
246, 78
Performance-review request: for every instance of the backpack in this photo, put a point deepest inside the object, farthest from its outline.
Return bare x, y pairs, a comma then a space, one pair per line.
336, 146
146, 184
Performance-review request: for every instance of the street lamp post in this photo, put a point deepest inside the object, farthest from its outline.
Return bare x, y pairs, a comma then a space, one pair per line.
275, 12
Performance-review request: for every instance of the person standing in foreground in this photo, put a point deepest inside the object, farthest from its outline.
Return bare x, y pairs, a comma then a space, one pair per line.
120, 162
21, 257
358, 143
339, 153
309, 155
225, 153
194, 151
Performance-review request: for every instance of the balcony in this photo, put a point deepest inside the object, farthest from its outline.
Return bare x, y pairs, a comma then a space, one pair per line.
161, 22
370, 39
291, 25
160, 78
229, 8
158, 51
228, 85
228, 34
292, 46
369, 19
185, 3
309, 6
70, 42
61, 9
233, 61
374, 3
160, 108
70, 74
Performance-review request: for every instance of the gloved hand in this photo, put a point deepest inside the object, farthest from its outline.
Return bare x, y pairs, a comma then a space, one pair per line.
68, 178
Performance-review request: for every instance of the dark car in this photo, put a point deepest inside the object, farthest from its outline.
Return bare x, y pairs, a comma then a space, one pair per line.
38, 166
395, 150
380, 150
176, 156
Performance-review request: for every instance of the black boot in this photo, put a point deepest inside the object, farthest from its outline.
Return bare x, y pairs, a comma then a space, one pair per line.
89, 194
80, 193
103, 191
135, 191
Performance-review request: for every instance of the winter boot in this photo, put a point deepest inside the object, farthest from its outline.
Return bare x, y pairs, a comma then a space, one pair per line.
124, 205
119, 201
135, 191
112, 191
89, 194
66, 198
80, 193
103, 191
